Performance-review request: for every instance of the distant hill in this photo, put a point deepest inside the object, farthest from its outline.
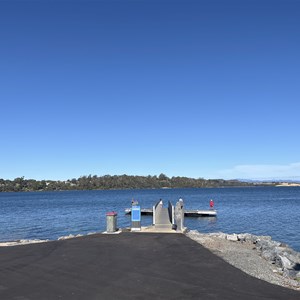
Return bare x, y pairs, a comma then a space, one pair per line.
94, 182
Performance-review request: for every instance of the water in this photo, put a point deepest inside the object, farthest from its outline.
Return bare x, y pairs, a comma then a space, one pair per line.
49, 215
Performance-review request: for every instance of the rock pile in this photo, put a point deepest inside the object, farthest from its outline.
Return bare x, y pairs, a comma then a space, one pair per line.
22, 242
70, 236
284, 258
258, 256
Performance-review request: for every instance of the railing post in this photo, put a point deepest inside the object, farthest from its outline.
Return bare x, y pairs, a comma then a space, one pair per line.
179, 215
153, 221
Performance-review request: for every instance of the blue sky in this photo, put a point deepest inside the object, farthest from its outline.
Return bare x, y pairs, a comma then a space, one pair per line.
186, 88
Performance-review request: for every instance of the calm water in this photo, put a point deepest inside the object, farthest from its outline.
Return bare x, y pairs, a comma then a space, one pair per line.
49, 215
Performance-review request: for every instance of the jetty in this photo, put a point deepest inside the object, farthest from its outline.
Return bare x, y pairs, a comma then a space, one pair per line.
187, 213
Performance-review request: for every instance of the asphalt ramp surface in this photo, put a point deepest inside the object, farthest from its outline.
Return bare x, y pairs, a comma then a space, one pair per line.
126, 266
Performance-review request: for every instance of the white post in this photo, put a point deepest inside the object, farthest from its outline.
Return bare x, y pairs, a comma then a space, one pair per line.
153, 215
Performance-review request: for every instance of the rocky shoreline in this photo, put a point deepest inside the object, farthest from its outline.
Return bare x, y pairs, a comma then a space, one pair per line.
37, 241
258, 256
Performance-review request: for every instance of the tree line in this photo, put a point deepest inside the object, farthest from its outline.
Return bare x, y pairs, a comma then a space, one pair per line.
107, 182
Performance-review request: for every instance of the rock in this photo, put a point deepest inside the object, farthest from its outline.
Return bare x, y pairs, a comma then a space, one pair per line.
264, 246
241, 238
246, 237
90, 233
220, 235
70, 236
292, 255
269, 255
280, 249
279, 271
290, 274
285, 262
232, 237
265, 237
192, 231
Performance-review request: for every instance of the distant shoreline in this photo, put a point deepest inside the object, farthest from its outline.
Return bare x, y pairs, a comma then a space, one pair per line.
287, 184
129, 182
157, 188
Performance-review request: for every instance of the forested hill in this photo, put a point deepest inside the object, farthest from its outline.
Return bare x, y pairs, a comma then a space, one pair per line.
107, 182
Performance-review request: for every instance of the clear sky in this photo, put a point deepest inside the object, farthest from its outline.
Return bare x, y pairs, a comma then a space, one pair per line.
206, 88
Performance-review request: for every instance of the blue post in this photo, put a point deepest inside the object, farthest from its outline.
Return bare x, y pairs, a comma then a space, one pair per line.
135, 218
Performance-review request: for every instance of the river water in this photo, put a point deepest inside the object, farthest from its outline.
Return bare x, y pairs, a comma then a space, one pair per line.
273, 211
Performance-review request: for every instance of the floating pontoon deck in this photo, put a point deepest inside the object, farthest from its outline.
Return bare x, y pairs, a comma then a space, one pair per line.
187, 212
